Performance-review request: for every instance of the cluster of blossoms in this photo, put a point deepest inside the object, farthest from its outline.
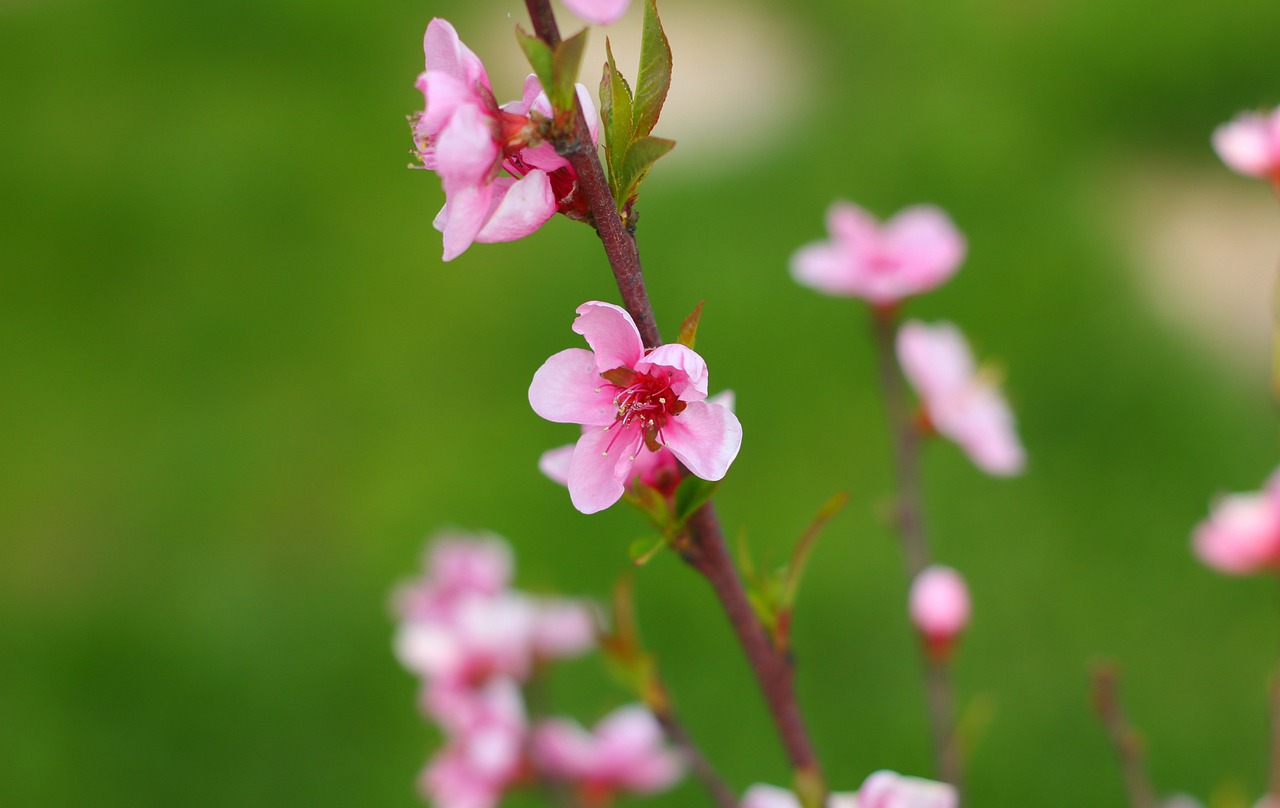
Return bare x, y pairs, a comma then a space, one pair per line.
469, 140
473, 641
916, 251
883, 789
1250, 144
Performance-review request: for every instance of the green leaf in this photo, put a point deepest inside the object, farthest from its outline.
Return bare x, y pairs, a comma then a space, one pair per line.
615, 115
565, 64
641, 156
804, 547
655, 72
653, 505
689, 328
643, 550
538, 54
692, 494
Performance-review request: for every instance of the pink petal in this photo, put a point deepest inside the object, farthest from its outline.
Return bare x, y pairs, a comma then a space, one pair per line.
466, 151
852, 227
939, 602
705, 437
567, 389
598, 12
1241, 535
462, 217
686, 370
825, 267
763, 795
982, 423
555, 463
519, 207
460, 563
598, 470
562, 628
934, 358
927, 244
1250, 144
444, 95
611, 333
886, 789
445, 52
561, 748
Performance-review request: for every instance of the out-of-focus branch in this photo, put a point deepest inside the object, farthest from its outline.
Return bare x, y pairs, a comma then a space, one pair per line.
1124, 739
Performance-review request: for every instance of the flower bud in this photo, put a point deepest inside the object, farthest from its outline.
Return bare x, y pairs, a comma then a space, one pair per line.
939, 608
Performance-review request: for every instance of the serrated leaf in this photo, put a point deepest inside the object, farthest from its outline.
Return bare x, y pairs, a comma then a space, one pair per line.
654, 79
538, 54
615, 117
566, 61
693, 493
689, 328
643, 550
641, 156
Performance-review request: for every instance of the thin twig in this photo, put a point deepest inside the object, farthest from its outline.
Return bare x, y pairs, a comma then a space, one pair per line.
1124, 740
909, 518
706, 551
721, 793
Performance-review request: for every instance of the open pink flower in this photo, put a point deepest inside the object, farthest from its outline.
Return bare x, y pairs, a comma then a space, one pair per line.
1242, 534
961, 403
598, 12
1250, 144
464, 136
630, 401
886, 789
625, 752
939, 607
913, 252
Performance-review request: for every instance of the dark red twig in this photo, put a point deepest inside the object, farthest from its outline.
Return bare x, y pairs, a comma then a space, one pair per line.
1124, 740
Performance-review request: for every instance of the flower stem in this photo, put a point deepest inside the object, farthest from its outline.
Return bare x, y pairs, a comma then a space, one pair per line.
1124, 740
909, 519
706, 551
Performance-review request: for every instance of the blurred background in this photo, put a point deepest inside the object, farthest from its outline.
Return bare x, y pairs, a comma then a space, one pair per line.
241, 387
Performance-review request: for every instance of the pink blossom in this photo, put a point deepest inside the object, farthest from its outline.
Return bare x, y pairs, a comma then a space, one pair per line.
763, 795
624, 752
960, 402
939, 607
486, 739
658, 470
630, 400
886, 789
915, 251
464, 136
598, 12
1242, 534
1250, 144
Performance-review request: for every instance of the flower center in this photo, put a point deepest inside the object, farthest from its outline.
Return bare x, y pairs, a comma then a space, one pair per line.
644, 402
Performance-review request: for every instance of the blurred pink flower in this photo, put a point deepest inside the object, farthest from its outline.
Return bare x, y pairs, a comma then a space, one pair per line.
598, 12
625, 752
915, 251
658, 470
960, 403
1250, 144
629, 400
763, 795
886, 789
1242, 534
939, 607
485, 749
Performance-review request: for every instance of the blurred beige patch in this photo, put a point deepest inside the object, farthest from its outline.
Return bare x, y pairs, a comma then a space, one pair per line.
739, 83
1207, 249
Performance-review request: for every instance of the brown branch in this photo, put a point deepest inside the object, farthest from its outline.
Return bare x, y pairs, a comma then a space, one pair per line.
909, 519
706, 551
721, 793
1124, 739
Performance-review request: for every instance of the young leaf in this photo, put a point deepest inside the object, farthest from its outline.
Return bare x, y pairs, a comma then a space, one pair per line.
642, 551
655, 72
641, 156
692, 494
689, 328
804, 546
538, 54
565, 64
652, 505
615, 116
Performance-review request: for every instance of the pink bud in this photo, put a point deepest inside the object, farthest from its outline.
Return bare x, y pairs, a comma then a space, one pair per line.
1250, 144
1242, 534
939, 607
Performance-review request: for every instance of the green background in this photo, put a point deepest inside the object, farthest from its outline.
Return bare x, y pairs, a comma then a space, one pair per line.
240, 388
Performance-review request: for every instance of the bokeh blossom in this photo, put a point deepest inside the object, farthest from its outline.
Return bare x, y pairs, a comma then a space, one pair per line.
625, 752
915, 251
939, 607
598, 12
630, 401
1241, 536
1250, 144
961, 403
883, 789
465, 137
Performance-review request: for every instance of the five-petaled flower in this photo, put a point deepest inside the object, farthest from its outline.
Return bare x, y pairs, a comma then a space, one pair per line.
464, 136
630, 400
960, 402
1250, 144
911, 253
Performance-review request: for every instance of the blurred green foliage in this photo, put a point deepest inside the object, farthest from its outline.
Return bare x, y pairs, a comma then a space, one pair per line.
241, 388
